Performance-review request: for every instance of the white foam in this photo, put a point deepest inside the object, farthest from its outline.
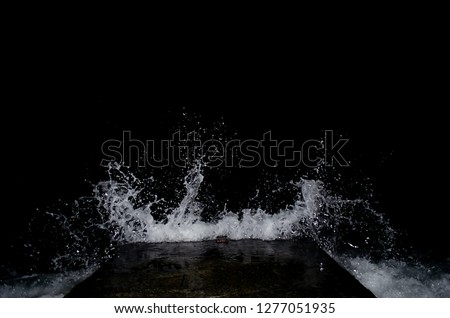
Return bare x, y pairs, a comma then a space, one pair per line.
44, 285
130, 224
395, 279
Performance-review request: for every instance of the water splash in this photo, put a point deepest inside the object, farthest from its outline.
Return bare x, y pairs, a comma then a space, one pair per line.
315, 213
54, 285
125, 209
394, 278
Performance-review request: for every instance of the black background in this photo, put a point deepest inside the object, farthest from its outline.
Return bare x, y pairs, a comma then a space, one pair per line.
60, 108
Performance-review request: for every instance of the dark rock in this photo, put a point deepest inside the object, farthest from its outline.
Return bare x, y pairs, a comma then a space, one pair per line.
245, 268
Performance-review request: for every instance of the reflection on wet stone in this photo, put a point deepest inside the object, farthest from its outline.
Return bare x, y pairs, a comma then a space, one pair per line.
245, 268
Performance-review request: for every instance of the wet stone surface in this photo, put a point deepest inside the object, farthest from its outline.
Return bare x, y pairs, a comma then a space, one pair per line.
245, 268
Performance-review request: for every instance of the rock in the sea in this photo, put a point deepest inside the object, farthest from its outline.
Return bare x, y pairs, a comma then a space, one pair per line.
245, 268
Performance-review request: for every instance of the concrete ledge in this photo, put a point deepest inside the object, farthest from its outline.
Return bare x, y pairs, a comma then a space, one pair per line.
245, 268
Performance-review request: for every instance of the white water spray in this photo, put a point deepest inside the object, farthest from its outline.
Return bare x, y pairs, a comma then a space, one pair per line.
314, 213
